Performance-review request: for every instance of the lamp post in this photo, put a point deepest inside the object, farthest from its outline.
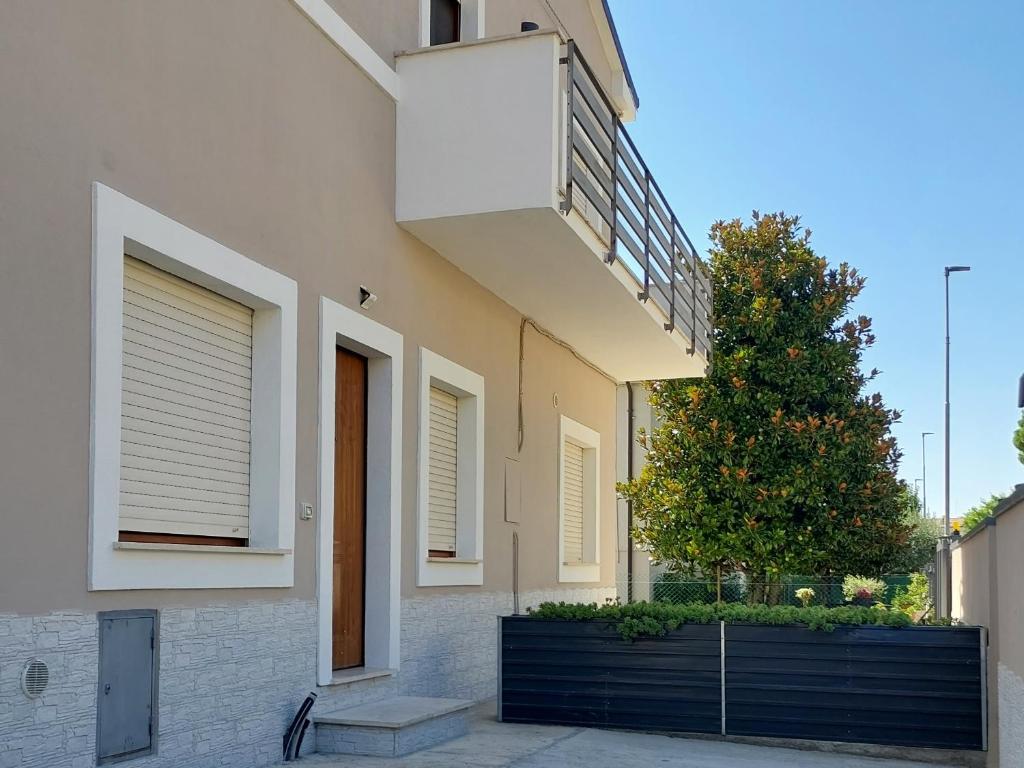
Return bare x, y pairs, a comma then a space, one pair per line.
944, 603
924, 474
948, 271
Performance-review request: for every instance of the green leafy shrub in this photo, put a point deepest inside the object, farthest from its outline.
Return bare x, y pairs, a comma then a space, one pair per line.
805, 595
655, 619
914, 598
976, 515
863, 588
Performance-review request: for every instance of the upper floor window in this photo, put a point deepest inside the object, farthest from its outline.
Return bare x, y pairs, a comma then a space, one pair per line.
451, 21
445, 21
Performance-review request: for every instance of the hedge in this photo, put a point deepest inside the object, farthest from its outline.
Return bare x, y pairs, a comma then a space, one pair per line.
655, 619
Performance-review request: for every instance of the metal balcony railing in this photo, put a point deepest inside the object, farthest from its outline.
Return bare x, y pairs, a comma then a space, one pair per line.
608, 183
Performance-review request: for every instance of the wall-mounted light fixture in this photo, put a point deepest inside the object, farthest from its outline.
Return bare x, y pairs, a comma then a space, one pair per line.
366, 297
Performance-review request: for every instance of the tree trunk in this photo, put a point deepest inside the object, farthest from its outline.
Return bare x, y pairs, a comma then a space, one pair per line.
756, 589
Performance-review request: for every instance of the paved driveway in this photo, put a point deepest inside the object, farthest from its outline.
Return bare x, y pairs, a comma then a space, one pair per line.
491, 744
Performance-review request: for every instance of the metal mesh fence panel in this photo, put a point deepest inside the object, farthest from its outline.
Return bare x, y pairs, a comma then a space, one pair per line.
736, 589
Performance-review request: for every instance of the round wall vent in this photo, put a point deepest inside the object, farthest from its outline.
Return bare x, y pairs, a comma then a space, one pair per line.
34, 678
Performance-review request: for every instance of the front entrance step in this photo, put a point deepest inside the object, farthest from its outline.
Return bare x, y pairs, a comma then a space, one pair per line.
392, 727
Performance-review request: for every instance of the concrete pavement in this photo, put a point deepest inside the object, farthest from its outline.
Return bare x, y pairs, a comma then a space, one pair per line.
491, 744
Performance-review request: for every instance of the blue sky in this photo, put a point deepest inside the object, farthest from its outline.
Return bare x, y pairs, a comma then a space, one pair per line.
896, 130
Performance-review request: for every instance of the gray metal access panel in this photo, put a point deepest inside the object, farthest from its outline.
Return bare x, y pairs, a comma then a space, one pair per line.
126, 698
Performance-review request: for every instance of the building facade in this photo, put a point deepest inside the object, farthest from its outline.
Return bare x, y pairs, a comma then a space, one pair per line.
311, 355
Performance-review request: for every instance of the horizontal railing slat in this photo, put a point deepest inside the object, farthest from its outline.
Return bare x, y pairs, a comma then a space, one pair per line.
585, 89
593, 164
630, 200
598, 138
590, 191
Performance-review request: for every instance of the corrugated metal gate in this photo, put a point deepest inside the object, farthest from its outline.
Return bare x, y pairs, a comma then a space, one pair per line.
913, 686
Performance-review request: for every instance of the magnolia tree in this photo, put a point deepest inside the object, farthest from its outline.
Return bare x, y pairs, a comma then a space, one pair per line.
778, 461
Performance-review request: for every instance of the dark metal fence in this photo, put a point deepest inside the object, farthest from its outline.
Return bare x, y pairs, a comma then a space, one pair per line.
916, 686
608, 182
911, 686
582, 673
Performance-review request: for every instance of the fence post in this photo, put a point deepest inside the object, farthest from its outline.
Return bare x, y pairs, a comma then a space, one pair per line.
722, 672
647, 234
570, 66
983, 643
943, 598
613, 236
499, 668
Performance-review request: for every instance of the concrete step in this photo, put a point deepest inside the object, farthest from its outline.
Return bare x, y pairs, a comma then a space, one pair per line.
392, 727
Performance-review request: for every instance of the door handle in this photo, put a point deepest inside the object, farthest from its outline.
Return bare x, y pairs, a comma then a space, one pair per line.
106, 689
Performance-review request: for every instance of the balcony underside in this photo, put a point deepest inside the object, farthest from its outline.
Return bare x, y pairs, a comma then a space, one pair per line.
549, 268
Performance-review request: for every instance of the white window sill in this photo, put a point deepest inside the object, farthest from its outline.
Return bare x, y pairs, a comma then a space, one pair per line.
355, 675
579, 573
455, 560
220, 550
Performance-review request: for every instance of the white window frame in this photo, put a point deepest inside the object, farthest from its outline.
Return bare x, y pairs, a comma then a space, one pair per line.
590, 441
471, 21
122, 225
383, 348
467, 567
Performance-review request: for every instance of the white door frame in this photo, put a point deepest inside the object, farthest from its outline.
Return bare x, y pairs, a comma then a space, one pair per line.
383, 347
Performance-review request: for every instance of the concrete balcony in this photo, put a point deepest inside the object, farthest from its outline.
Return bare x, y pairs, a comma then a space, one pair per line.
514, 166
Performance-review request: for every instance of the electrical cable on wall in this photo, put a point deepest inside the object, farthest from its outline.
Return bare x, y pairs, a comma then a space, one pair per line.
522, 358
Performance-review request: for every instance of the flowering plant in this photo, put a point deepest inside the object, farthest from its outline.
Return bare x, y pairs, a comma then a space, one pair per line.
863, 588
805, 595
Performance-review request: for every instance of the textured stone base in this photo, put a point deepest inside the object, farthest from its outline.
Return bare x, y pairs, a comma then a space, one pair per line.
1011, 718
449, 642
232, 675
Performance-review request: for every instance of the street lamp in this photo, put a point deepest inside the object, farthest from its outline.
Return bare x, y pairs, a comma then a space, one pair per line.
924, 474
948, 271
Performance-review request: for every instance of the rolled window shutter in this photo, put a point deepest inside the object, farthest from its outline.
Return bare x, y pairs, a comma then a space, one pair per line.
572, 479
186, 383
443, 477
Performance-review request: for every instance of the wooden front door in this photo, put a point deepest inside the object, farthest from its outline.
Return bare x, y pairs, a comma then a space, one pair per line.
349, 509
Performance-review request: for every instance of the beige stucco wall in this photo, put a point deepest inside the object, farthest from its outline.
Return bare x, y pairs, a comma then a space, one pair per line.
387, 26
1009, 544
988, 579
971, 578
1008, 586
242, 121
